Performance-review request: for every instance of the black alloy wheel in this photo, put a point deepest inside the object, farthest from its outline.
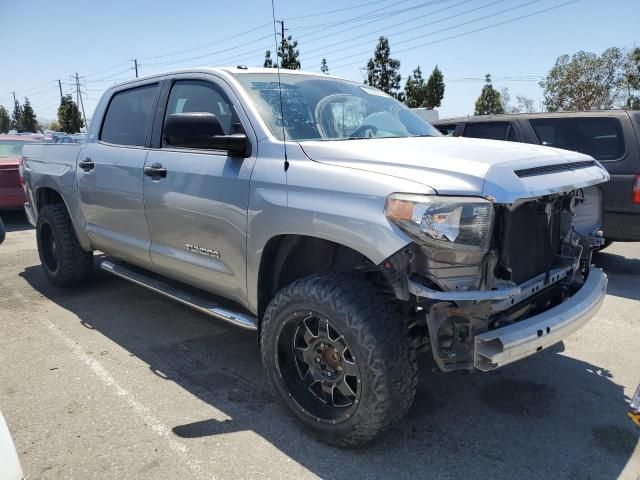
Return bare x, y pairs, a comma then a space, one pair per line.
48, 247
318, 367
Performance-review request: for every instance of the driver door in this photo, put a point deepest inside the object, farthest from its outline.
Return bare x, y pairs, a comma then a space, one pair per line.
196, 208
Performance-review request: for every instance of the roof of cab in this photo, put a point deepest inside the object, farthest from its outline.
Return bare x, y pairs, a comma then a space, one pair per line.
238, 70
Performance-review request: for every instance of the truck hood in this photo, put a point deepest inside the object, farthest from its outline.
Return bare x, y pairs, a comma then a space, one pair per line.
465, 166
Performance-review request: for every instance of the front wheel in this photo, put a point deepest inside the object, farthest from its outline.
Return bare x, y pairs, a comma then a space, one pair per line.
338, 354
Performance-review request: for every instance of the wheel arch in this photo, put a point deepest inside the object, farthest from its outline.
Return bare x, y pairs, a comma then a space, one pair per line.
287, 258
47, 195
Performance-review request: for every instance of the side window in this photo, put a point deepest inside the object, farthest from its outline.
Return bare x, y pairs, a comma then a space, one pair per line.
600, 137
491, 130
127, 117
447, 129
202, 96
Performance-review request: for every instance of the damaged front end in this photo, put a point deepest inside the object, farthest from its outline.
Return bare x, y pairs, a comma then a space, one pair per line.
491, 283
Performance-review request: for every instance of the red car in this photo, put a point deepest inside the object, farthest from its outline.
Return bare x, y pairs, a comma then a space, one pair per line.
11, 192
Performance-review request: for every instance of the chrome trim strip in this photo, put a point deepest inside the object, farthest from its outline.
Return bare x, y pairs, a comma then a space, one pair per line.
207, 307
505, 345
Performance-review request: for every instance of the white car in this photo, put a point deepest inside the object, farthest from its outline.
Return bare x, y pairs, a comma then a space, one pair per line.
10, 468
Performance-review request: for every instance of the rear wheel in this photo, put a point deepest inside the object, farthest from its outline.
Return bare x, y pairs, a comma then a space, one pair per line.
64, 262
339, 357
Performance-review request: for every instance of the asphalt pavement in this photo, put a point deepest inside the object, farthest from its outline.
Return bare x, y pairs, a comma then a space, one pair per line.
109, 380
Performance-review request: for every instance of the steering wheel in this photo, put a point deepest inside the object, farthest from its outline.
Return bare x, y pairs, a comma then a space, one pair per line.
362, 129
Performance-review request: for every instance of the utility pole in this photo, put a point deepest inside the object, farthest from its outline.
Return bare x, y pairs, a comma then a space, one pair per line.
14, 98
282, 29
60, 86
79, 99
135, 66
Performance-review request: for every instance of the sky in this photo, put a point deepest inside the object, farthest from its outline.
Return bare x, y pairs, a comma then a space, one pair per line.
516, 41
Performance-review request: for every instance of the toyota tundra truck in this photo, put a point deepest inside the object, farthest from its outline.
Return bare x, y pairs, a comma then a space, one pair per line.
324, 215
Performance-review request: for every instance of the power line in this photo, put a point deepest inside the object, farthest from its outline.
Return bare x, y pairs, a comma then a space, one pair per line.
368, 4
479, 19
404, 22
323, 34
179, 52
368, 16
113, 67
537, 12
210, 54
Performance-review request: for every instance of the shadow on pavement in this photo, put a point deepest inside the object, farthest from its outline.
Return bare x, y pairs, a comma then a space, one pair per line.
15, 220
549, 416
623, 272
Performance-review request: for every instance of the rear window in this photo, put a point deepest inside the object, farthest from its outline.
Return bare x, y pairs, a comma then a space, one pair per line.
446, 129
127, 117
11, 148
491, 131
600, 137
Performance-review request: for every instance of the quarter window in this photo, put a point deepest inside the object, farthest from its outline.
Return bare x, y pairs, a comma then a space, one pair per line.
205, 97
127, 117
600, 137
447, 129
491, 130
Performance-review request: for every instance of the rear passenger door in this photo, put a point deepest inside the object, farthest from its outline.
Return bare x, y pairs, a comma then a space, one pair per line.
197, 211
491, 130
109, 176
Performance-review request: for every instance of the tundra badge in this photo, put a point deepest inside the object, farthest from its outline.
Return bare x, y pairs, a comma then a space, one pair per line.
203, 251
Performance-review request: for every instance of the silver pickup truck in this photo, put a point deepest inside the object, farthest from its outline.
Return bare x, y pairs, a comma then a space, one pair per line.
333, 221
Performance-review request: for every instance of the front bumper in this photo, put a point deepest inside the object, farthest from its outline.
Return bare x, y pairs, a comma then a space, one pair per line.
505, 345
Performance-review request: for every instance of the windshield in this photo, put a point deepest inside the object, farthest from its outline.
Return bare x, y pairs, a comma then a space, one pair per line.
11, 148
317, 108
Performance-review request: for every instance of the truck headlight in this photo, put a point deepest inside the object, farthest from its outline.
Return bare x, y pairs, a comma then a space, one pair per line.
460, 223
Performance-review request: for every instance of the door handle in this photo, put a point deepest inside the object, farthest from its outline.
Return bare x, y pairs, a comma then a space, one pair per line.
86, 164
155, 170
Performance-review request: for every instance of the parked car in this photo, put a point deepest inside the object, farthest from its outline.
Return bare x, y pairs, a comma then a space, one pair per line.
334, 222
10, 468
11, 192
610, 136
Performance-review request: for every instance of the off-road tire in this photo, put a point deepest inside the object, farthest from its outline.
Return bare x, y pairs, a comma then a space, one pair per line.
74, 265
371, 323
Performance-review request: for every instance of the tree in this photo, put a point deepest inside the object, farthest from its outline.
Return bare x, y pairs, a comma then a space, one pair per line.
324, 68
632, 79
585, 80
488, 103
268, 61
505, 101
55, 126
524, 104
415, 90
382, 70
289, 55
5, 120
435, 89
29, 120
16, 118
69, 116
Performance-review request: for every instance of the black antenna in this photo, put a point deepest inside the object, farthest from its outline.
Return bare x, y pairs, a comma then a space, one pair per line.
275, 41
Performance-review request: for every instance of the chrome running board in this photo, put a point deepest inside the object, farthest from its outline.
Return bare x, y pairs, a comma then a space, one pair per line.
203, 305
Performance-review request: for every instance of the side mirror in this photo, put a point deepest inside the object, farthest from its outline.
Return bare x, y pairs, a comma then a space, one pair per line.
2, 231
203, 130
